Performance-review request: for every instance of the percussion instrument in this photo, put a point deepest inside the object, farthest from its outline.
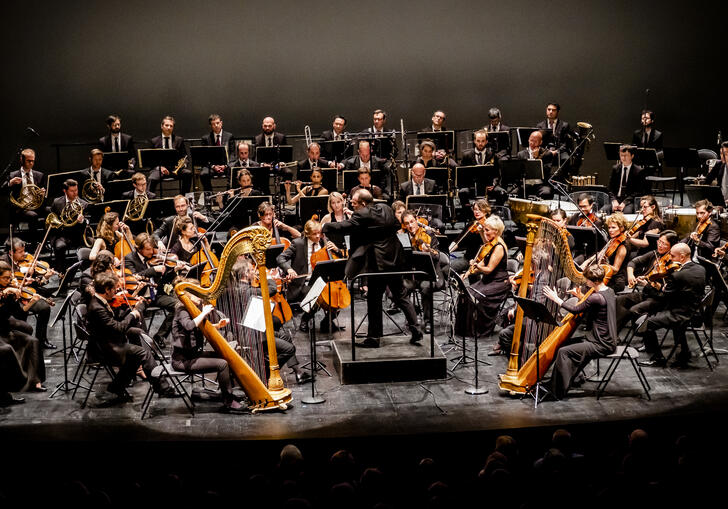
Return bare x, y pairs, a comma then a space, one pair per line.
681, 220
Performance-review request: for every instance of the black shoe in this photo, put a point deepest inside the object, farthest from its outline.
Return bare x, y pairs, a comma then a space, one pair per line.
233, 408
655, 362
680, 362
48, 345
8, 399
369, 343
167, 392
416, 335
303, 327
303, 377
160, 341
496, 352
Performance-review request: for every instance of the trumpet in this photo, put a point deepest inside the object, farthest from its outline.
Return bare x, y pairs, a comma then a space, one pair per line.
179, 165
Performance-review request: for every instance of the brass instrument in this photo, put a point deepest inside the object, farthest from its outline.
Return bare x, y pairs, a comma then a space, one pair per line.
91, 191
307, 135
30, 197
136, 208
179, 165
68, 217
252, 240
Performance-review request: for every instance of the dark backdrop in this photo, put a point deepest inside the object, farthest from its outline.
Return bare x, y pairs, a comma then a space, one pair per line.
69, 64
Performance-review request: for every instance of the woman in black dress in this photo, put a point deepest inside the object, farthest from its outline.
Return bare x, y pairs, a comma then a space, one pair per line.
617, 250
337, 213
108, 234
649, 223
315, 189
601, 340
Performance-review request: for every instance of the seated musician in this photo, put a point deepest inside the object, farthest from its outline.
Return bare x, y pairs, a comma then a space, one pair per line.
639, 269
104, 262
492, 286
140, 263
313, 189
536, 151
616, 251
417, 184
187, 245
626, 182
165, 235
431, 157
314, 159
481, 210
601, 340
67, 237
558, 216
683, 292
139, 181
19, 261
267, 219
588, 216
216, 137
706, 236
296, 262
245, 187
95, 172
338, 124
269, 137
169, 140
364, 159
399, 208
21, 178
479, 155
650, 223
116, 141
120, 340
425, 243
337, 213
243, 159
365, 182
188, 354
108, 234
718, 173
17, 333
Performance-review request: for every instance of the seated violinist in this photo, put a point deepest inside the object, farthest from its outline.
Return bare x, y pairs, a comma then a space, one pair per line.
25, 273
616, 251
189, 355
165, 235
425, 243
267, 219
143, 264
399, 208
104, 262
471, 243
650, 223
641, 270
109, 232
706, 236
314, 189
587, 216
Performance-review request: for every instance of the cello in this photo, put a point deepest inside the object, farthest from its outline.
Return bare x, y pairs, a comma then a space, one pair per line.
205, 258
335, 294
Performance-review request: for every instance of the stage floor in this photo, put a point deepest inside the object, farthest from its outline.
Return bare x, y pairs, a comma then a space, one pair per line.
404, 408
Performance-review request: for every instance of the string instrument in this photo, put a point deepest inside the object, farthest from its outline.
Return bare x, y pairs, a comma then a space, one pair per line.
485, 250
40, 267
421, 239
473, 228
664, 271
27, 293
126, 298
614, 244
699, 229
335, 294
282, 310
125, 245
637, 225
658, 267
590, 220
206, 258
721, 248
280, 240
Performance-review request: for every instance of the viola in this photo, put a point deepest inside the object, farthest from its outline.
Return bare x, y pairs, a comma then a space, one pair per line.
664, 271
41, 268
639, 224
590, 220
614, 244
126, 298
473, 228
335, 295
281, 309
485, 250
699, 230
422, 239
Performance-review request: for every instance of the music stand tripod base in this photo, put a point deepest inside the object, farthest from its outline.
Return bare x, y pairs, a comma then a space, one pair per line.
476, 390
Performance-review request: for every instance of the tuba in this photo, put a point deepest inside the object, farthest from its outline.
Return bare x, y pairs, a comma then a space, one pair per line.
30, 197
252, 240
91, 191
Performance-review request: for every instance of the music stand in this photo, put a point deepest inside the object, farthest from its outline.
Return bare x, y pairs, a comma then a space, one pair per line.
54, 184
382, 144
443, 140
328, 271
208, 155
153, 157
309, 206
435, 203
499, 141
523, 133
309, 304
652, 239
97, 210
441, 176
522, 172
351, 178
275, 154
712, 193
539, 313
333, 150
683, 159
611, 150
587, 238
465, 291
647, 158
61, 315
116, 160
115, 188
272, 252
329, 178
159, 208
245, 210
476, 177
260, 176
423, 262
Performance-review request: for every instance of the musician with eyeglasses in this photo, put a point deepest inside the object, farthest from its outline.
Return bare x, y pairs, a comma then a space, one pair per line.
705, 238
27, 175
68, 236
649, 223
139, 188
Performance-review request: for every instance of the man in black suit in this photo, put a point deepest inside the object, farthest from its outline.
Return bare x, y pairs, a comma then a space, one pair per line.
479, 155
438, 122
626, 182
67, 237
18, 179
337, 129
559, 140
170, 140
365, 183
417, 185
166, 229
706, 235
139, 263
139, 181
684, 289
375, 248
719, 174
242, 160
269, 137
495, 122
534, 151
216, 137
314, 159
365, 159
120, 340
102, 176
116, 141
647, 136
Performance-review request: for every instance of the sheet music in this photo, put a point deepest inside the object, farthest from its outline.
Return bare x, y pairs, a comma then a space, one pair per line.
254, 316
313, 294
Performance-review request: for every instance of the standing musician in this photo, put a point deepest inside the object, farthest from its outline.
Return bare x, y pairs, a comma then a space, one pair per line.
167, 229
650, 223
116, 141
313, 189
375, 248
337, 213
425, 243
296, 262
601, 340
95, 172
144, 265
706, 236
481, 211
492, 286
626, 182
616, 251
70, 236
169, 140
108, 234
188, 354
561, 134
267, 219
219, 138
649, 265
684, 289
21, 178
585, 201
17, 333
417, 184
719, 174
20, 262
139, 181
365, 183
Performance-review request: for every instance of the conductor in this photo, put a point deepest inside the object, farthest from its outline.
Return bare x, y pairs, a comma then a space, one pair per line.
375, 248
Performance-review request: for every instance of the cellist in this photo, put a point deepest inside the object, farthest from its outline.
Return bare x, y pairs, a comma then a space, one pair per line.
109, 232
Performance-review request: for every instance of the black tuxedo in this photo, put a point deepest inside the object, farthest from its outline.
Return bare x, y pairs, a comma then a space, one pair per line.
544, 190
353, 163
129, 195
65, 238
184, 174
226, 137
207, 173
561, 135
127, 144
278, 139
106, 176
329, 135
306, 165
407, 188
635, 185
470, 159
375, 248
709, 240
166, 302
654, 140
167, 228
295, 257
38, 180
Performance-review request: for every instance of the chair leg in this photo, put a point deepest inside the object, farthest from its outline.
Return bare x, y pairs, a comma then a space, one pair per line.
147, 401
702, 348
90, 388
641, 377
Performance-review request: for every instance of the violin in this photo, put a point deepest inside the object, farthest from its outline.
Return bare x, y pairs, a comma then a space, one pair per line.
473, 228
40, 268
422, 239
614, 244
485, 250
698, 230
590, 220
336, 294
639, 224
126, 298
663, 271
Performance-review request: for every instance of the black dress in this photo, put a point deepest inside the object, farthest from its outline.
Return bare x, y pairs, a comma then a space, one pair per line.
619, 279
185, 256
652, 224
